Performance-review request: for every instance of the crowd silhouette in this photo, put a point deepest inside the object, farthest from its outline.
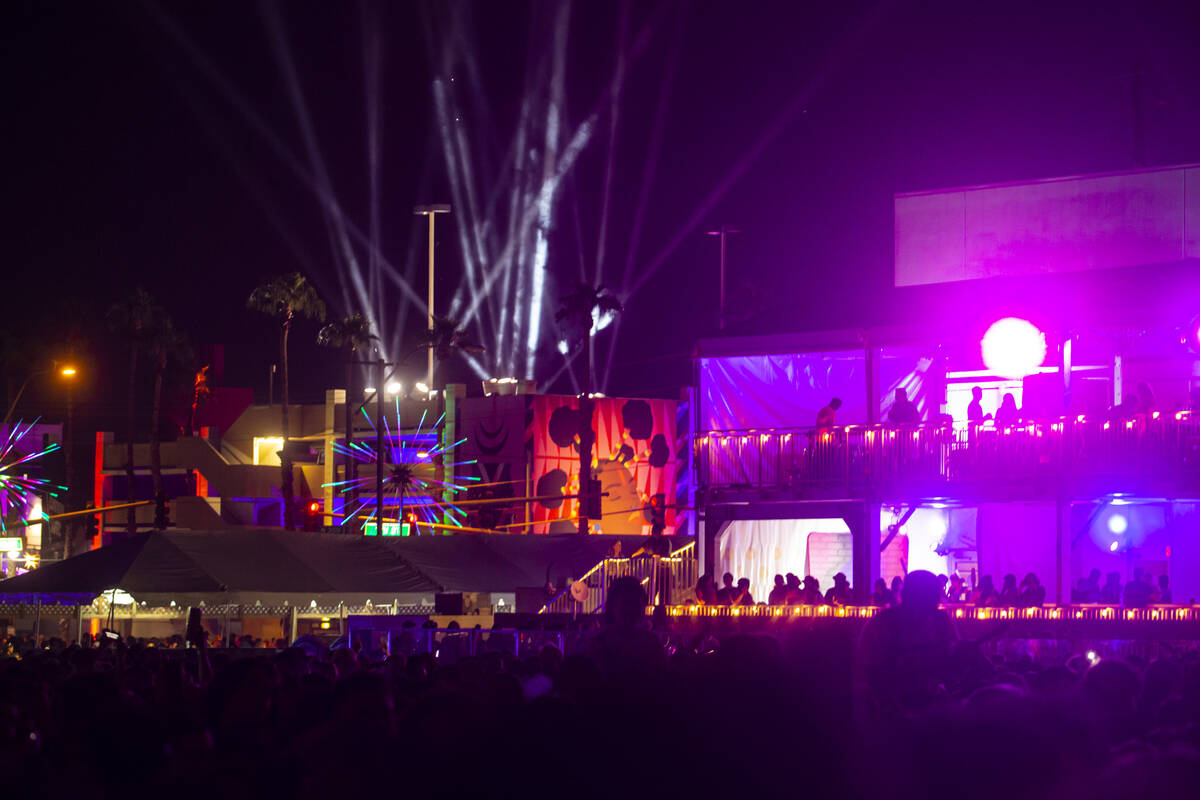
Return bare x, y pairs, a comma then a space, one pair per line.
901, 707
1142, 590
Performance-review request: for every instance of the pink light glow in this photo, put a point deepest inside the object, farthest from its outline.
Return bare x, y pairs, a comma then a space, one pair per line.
1013, 348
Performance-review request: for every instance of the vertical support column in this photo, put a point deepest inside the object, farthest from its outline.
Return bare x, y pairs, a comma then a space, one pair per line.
449, 437
865, 534
872, 388
1062, 549
379, 460
293, 623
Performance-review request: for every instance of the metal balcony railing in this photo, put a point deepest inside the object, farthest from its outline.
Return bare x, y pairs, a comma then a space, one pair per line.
856, 456
666, 580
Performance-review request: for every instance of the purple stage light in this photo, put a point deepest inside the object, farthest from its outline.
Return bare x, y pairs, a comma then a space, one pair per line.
1013, 348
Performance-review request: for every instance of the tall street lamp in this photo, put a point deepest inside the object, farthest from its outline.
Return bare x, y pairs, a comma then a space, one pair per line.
431, 212
64, 370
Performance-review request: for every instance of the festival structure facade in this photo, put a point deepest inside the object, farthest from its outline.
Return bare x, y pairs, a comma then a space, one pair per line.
1079, 297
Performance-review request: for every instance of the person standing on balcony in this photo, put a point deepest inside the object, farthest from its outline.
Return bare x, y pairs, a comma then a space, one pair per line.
1110, 593
975, 413
1145, 399
1008, 413
727, 591
778, 595
827, 416
904, 411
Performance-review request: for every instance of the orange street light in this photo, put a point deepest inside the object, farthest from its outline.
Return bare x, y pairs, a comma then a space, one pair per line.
66, 371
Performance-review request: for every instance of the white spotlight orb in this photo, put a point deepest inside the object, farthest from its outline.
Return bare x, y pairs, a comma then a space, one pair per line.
1013, 348
1117, 524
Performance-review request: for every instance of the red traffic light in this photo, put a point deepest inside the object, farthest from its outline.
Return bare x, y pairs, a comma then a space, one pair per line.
314, 507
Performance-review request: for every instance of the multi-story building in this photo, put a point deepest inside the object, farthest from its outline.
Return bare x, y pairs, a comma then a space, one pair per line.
1092, 464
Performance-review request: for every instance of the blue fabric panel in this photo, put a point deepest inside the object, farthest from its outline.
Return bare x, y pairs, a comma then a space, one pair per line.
781, 391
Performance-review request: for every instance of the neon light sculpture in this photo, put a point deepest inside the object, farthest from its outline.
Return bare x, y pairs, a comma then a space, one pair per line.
17, 490
410, 477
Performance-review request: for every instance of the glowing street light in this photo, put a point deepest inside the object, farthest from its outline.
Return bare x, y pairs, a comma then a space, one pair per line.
65, 371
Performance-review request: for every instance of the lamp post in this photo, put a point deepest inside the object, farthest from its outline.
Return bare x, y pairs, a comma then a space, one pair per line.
723, 232
431, 212
64, 370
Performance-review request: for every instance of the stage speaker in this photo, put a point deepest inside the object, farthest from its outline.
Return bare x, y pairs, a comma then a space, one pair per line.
448, 603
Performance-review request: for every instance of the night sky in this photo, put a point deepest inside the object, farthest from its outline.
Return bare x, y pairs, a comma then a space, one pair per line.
129, 160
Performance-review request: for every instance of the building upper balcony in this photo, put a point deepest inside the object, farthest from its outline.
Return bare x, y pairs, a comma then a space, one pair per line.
1151, 455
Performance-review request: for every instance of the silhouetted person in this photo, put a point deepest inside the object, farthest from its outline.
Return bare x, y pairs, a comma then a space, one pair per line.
1032, 592
985, 592
741, 596
1137, 591
881, 595
957, 590
1110, 592
904, 411
905, 651
778, 595
812, 591
623, 649
1007, 413
897, 589
827, 416
1146, 404
706, 593
1164, 589
975, 407
1009, 592
726, 592
839, 593
795, 595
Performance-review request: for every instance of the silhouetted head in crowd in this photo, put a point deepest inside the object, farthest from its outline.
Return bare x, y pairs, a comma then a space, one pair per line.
779, 584
792, 581
897, 586
921, 590
840, 581
977, 392
626, 602
901, 395
835, 403
727, 579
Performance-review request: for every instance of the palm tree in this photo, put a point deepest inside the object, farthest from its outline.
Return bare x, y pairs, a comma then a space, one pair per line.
578, 315
168, 351
350, 334
446, 339
285, 298
129, 319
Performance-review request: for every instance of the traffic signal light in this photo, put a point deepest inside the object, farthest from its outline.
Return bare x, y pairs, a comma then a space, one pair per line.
313, 516
658, 513
594, 510
162, 512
